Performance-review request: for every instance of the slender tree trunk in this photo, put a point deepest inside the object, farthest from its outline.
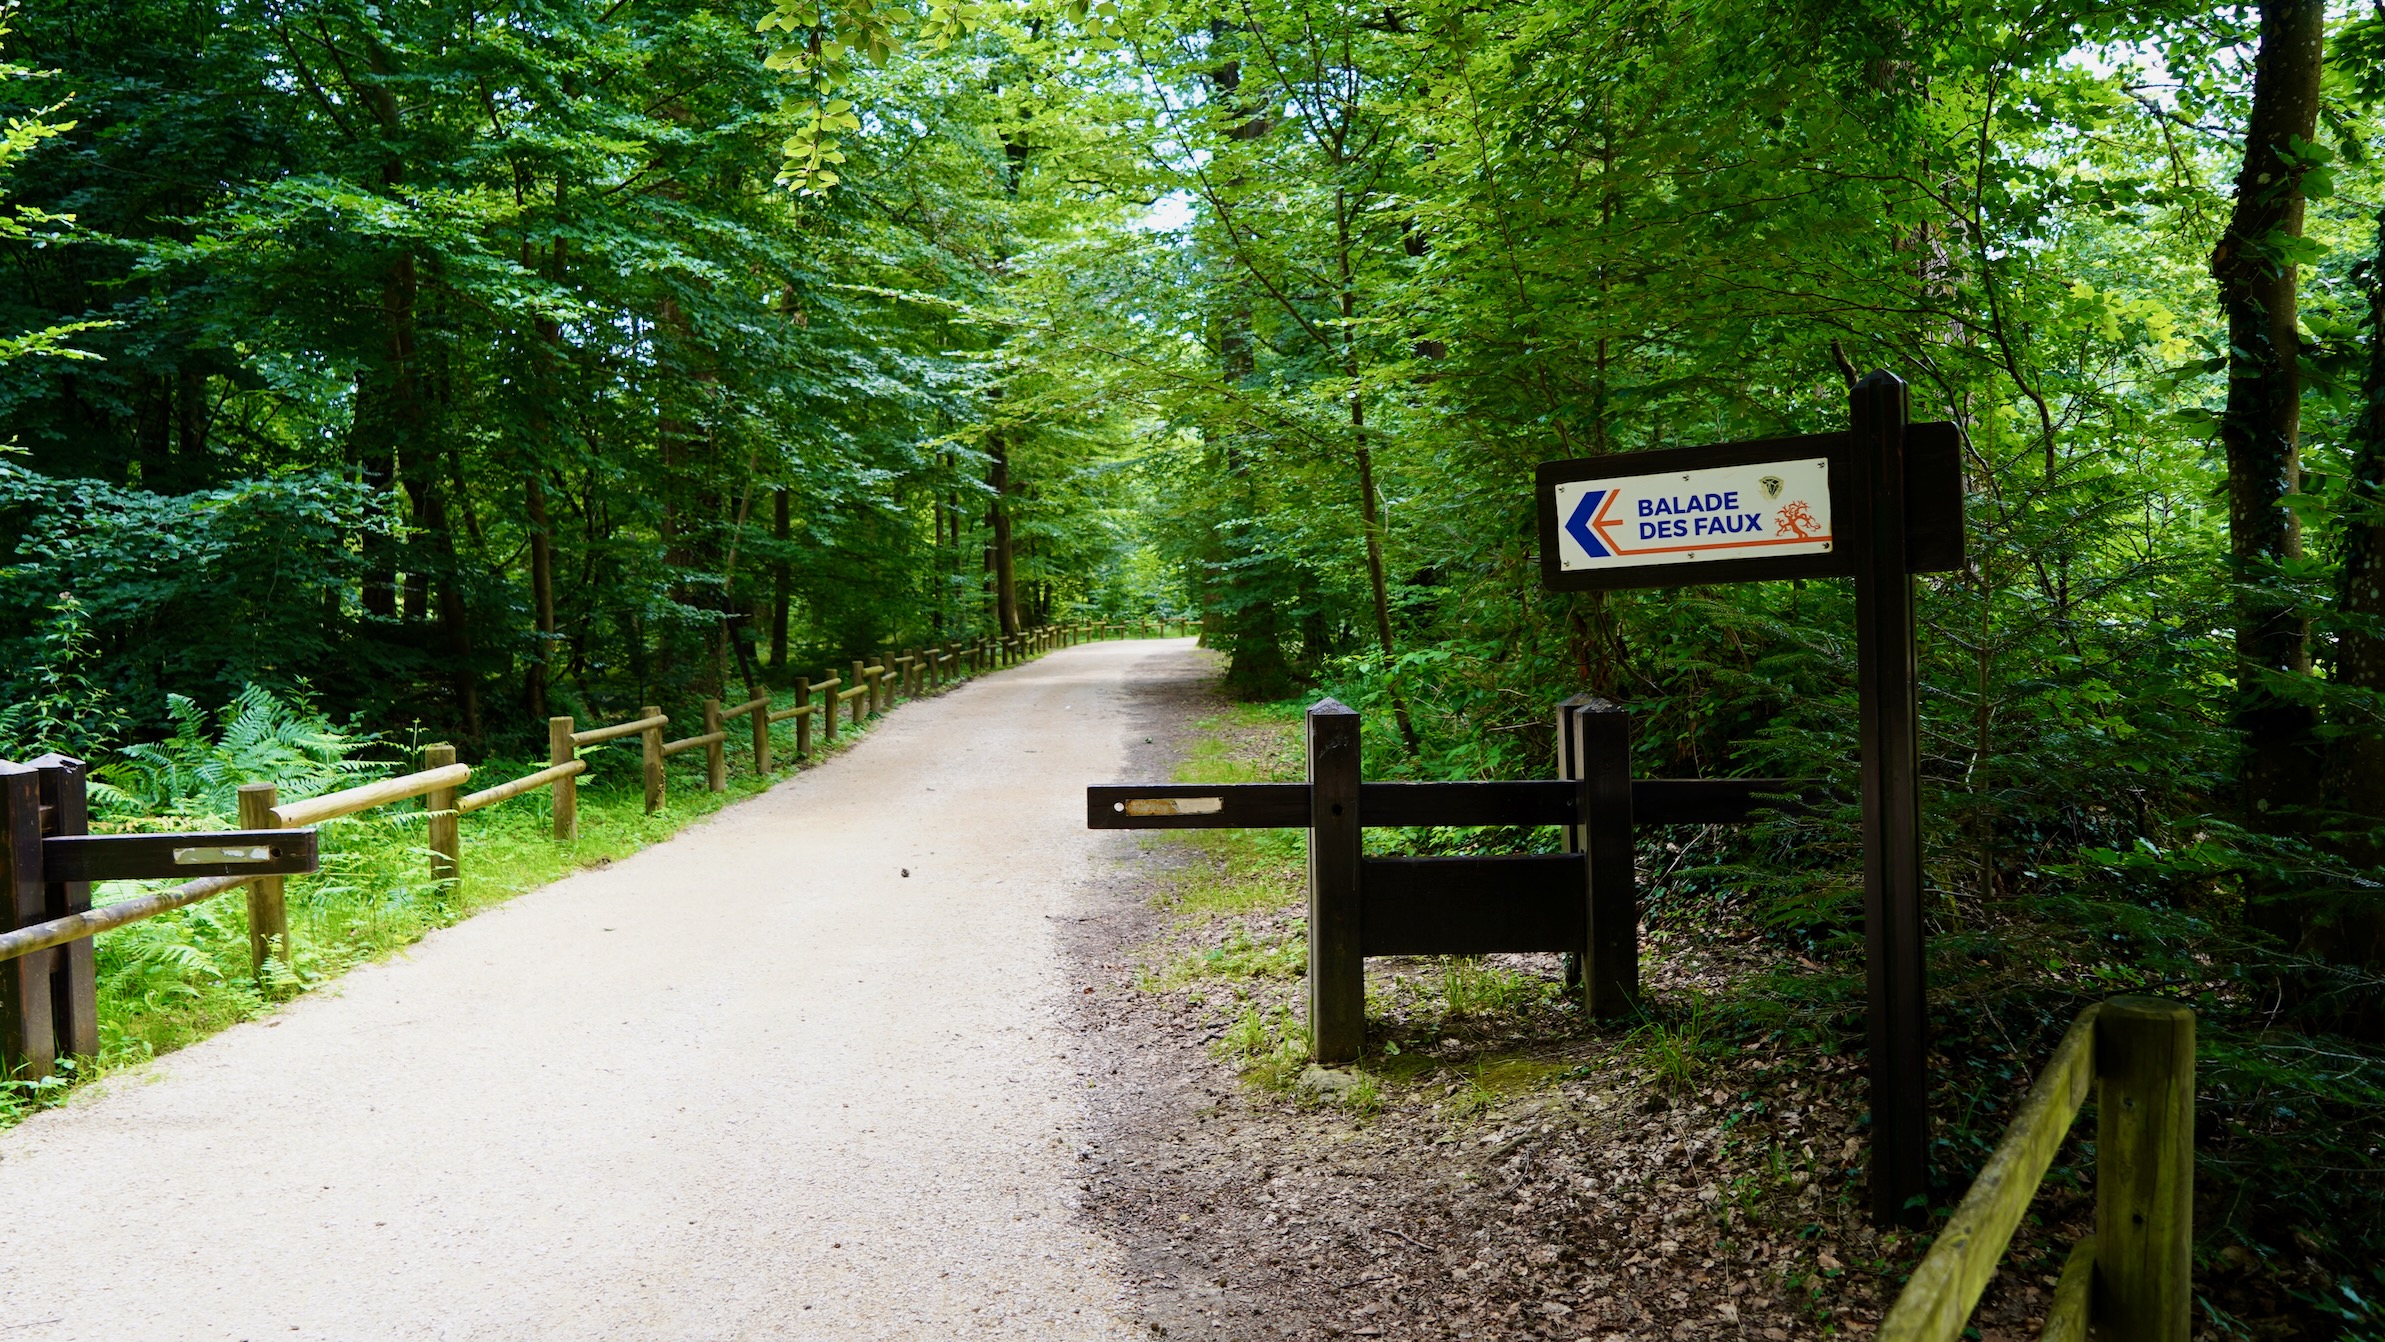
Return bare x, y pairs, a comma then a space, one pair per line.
2277, 771
780, 530
1370, 508
2357, 936
542, 587
997, 518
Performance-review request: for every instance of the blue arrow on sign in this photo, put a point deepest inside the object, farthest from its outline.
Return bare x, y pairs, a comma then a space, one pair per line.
1578, 525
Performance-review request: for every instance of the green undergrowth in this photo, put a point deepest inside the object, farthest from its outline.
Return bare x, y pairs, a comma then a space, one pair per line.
172, 980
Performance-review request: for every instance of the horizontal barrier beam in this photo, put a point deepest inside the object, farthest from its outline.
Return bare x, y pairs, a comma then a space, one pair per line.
527, 783
1472, 905
693, 743
1536, 801
800, 710
152, 857
76, 926
348, 801
747, 707
600, 735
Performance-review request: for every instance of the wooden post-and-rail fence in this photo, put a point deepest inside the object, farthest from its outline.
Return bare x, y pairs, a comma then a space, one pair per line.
2131, 1278
48, 994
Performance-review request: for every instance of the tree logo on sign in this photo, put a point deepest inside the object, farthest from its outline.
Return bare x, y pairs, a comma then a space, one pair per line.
1797, 520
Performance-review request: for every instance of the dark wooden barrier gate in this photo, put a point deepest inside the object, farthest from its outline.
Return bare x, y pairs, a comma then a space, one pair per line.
1581, 901
49, 1003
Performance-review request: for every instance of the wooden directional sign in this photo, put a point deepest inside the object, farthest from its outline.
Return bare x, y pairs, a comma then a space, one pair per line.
1769, 509
1876, 504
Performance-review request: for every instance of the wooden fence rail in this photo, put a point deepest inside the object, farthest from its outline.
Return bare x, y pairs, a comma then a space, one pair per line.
2131, 1277
51, 912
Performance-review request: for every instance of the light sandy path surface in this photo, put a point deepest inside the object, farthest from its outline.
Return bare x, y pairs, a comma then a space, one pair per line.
751, 1083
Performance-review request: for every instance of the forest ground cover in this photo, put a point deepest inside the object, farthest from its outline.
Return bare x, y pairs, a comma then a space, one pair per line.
1696, 1170
170, 981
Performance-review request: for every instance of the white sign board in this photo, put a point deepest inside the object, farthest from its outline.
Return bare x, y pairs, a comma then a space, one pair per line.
1759, 511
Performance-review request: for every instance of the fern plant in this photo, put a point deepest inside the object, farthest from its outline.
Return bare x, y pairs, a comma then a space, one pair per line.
196, 773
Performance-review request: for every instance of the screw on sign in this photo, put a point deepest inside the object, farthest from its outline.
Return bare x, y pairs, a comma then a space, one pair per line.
1877, 504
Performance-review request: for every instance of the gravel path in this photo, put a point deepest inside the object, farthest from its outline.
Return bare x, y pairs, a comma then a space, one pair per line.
751, 1083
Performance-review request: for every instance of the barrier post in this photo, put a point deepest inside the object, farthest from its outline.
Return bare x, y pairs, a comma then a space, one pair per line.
442, 835
268, 916
2144, 1170
860, 681
28, 1034
560, 750
716, 755
803, 721
1601, 759
1336, 968
651, 740
760, 717
74, 980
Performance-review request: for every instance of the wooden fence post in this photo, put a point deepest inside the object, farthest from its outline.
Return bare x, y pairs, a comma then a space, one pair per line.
560, 750
443, 836
761, 723
2144, 1170
652, 740
74, 984
1601, 759
860, 681
803, 721
828, 709
268, 916
28, 1034
1336, 967
1570, 839
716, 755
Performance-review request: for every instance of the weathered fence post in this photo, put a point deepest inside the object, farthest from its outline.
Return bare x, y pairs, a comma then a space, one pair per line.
803, 721
74, 984
28, 1036
1336, 968
652, 740
1601, 759
828, 710
560, 750
860, 681
268, 916
760, 717
2144, 1170
716, 755
442, 835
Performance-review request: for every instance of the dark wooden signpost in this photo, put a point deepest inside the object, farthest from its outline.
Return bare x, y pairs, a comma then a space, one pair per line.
1877, 504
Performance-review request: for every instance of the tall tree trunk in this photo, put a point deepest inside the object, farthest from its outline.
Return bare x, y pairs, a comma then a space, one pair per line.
190, 424
781, 531
997, 520
2357, 935
542, 587
1370, 508
2277, 771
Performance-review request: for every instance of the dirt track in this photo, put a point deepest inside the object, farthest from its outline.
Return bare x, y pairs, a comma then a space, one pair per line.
751, 1083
